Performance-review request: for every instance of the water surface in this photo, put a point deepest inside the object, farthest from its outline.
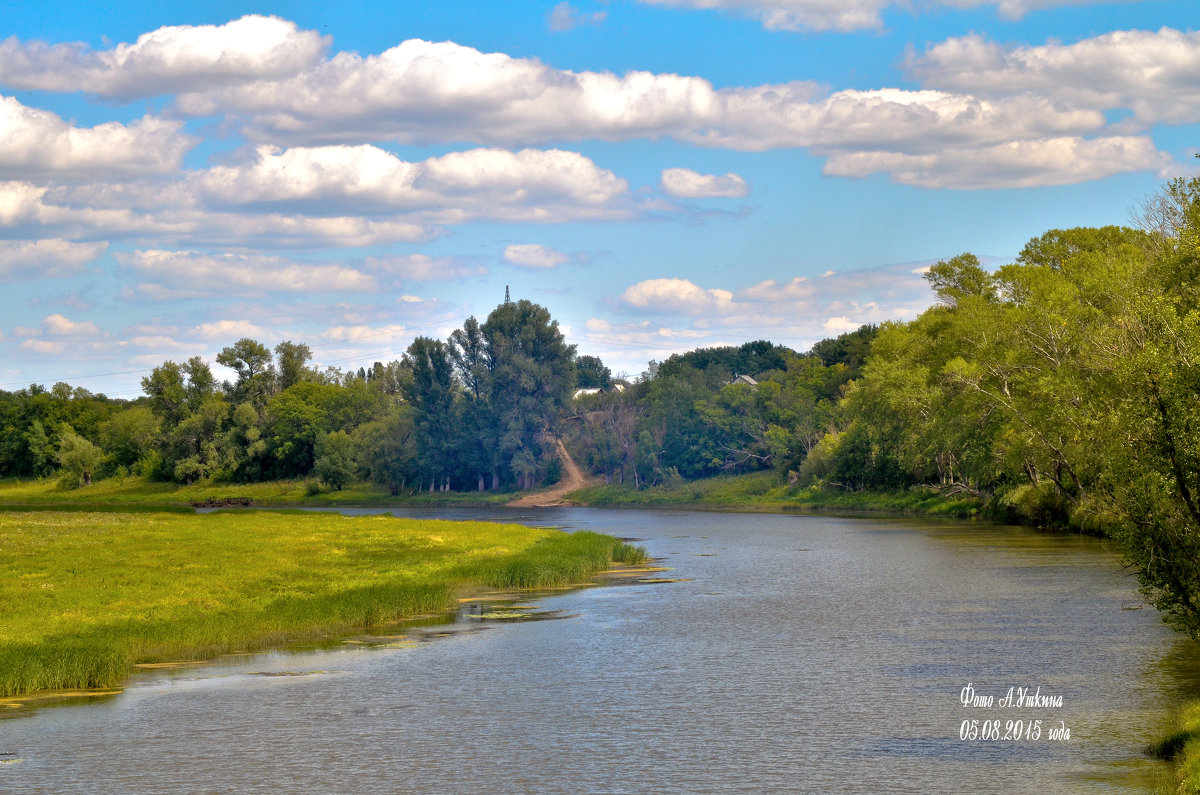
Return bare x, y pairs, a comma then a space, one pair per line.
807, 654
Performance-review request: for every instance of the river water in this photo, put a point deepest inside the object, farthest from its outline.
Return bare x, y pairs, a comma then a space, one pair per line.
801, 654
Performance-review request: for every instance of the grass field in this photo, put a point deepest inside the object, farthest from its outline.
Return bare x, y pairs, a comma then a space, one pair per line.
86, 595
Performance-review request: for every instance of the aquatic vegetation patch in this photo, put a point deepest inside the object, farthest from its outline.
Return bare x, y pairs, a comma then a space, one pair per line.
86, 596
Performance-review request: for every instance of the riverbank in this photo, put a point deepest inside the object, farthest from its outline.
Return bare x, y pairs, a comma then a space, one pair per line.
1182, 748
763, 491
759, 491
87, 595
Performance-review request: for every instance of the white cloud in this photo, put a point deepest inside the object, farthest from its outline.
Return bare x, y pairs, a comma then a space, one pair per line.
797, 312
44, 347
332, 195
192, 272
1020, 164
422, 268
228, 330
422, 92
847, 15
166, 60
840, 325
59, 326
528, 185
1152, 74
175, 214
37, 143
532, 255
390, 333
49, 258
675, 296
64, 334
684, 183
565, 17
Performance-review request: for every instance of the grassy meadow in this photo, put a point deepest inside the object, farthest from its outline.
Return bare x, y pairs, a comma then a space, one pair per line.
86, 595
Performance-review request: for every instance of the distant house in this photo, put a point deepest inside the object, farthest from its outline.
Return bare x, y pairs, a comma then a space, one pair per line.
744, 379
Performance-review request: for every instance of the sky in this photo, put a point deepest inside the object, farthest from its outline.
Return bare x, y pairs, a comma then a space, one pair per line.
661, 175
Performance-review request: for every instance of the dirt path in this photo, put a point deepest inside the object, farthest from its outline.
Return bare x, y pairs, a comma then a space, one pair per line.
573, 479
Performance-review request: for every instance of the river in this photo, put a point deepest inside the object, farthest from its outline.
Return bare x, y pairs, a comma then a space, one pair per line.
796, 654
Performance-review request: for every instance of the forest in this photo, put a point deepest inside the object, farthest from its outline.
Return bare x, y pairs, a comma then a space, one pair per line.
1062, 390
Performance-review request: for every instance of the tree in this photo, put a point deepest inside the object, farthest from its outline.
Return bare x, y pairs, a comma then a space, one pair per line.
78, 459
168, 395
961, 277
292, 358
590, 373
251, 361
335, 459
431, 394
130, 435
386, 449
531, 378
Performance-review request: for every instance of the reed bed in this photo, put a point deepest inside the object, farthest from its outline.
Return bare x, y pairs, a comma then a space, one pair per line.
85, 596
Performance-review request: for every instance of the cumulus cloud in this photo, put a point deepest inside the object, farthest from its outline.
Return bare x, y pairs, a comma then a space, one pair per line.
675, 296
44, 347
565, 17
228, 330
1020, 164
797, 312
530, 184
166, 60
59, 334
847, 15
532, 255
421, 91
684, 183
1152, 74
50, 258
331, 195
60, 326
192, 272
37, 143
423, 268
113, 211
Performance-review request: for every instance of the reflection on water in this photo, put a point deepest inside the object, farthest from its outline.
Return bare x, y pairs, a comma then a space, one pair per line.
793, 654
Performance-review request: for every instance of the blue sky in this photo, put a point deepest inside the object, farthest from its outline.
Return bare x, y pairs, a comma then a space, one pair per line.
660, 174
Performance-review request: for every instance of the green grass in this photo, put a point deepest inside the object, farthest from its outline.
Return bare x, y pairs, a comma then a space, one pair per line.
133, 494
86, 595
764, 491
1183, 748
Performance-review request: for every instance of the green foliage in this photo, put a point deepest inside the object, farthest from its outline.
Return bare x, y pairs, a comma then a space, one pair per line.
335, 459
850, 349
723, 364
531, 377
591, 373
78, 459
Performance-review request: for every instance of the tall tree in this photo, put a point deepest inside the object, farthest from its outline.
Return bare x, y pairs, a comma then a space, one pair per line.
251, 360
532, 378
431, 394
292, 358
